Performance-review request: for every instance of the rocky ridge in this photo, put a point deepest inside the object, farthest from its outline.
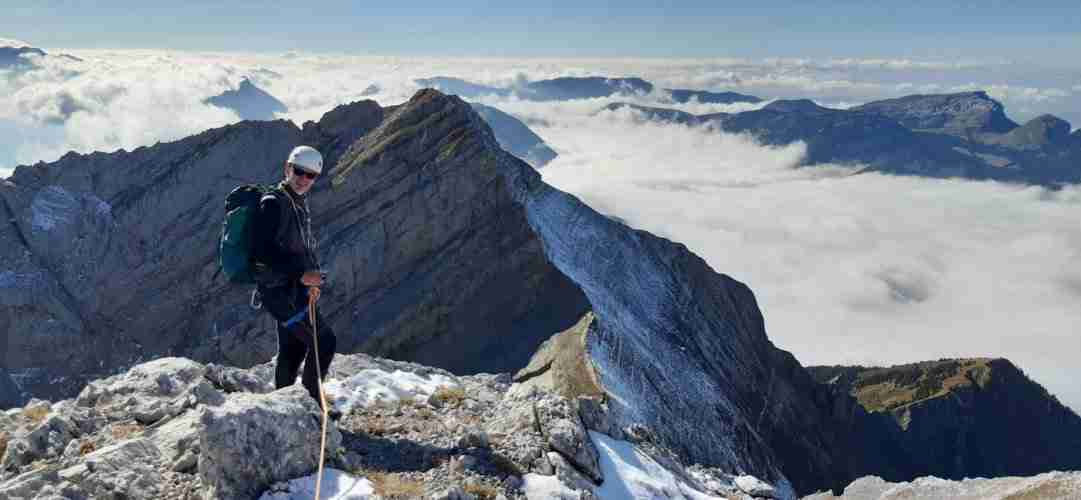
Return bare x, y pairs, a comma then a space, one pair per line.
176, 429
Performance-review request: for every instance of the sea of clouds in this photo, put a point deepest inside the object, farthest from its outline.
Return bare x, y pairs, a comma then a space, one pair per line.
848, 269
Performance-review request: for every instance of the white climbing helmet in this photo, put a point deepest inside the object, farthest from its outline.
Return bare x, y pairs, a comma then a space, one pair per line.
308, 158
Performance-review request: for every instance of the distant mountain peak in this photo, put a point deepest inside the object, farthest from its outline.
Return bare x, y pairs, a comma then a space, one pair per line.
961, 114
249, 101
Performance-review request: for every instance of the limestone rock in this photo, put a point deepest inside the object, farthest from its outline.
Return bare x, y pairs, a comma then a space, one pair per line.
255, 440
559, 422
152, 391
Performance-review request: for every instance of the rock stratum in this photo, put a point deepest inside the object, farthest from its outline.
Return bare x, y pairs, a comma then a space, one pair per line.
442, 249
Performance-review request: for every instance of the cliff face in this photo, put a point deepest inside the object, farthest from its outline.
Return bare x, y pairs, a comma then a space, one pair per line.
960, 418
110, 259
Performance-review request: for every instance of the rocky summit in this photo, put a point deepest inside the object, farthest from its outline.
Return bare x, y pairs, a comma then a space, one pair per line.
176, 429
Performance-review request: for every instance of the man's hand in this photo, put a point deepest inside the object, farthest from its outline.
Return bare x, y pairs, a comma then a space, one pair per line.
312, 278
314, 293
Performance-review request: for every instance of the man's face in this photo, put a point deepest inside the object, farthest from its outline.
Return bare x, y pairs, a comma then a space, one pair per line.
299, 179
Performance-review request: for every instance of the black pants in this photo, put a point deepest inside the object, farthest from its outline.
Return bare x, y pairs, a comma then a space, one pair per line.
295, 342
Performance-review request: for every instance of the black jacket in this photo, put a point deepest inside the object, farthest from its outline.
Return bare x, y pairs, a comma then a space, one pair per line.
285, 247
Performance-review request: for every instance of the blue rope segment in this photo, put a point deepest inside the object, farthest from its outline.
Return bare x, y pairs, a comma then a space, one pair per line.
298, 317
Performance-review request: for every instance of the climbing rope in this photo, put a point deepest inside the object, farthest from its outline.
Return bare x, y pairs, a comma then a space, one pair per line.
312, 294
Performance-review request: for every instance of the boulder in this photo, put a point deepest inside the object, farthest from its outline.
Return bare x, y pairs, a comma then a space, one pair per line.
255, 440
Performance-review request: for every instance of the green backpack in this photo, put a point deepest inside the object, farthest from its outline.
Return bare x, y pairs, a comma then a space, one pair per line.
236, 255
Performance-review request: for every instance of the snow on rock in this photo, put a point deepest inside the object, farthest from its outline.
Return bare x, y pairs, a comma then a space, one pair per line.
337, 485
374, 386
53, 206
1051, 485
630, 473
538, 487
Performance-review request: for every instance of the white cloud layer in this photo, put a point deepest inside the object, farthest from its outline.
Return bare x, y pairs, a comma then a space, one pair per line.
864, 269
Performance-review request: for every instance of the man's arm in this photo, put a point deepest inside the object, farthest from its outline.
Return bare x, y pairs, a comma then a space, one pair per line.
266, 246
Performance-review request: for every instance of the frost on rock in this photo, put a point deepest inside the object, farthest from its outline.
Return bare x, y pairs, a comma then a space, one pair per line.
337, 485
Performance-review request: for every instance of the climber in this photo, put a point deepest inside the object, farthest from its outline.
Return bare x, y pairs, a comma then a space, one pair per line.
287, 273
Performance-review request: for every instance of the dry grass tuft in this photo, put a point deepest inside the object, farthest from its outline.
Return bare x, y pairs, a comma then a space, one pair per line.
86, 446
3, 443
393, 486
36, 414
481, 491
124, 431
453, 396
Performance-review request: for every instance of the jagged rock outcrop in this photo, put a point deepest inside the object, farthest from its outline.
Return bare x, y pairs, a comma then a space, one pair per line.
966, 114
955, 419
249, 102
515, 137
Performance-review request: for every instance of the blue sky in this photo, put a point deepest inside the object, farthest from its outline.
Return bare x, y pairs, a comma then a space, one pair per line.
1043, 32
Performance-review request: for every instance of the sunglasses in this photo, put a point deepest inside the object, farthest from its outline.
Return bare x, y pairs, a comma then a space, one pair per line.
304, 173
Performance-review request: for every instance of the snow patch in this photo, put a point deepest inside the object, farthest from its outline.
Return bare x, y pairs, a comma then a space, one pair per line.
373, 386
337, 485
630, 473
538, 487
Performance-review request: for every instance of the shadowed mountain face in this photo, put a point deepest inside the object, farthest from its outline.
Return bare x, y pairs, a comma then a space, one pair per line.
515, 137
249, 101
959, 135
955, 419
